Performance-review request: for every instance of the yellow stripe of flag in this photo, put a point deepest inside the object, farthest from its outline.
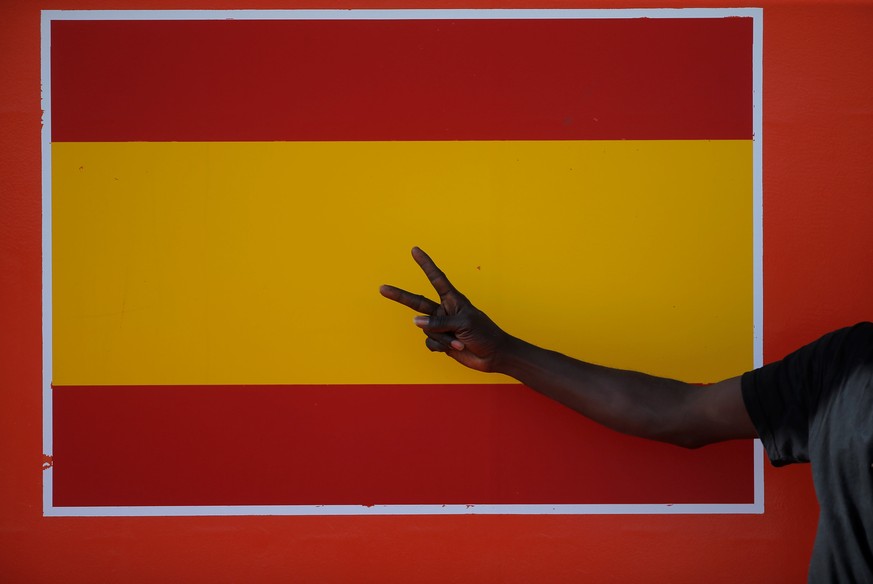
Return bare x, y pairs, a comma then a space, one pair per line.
230, 262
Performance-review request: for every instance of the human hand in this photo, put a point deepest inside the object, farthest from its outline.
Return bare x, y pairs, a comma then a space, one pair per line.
453, 326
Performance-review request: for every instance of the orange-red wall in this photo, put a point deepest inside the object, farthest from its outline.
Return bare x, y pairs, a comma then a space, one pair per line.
818, 205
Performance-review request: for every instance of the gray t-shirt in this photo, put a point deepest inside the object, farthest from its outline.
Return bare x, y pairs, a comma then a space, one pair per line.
816, 405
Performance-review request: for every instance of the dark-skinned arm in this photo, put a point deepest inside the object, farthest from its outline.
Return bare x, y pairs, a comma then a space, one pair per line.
627, 401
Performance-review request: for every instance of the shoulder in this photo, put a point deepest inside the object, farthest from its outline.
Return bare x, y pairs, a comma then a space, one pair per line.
822, 358
861, 334
843, 351
782, 398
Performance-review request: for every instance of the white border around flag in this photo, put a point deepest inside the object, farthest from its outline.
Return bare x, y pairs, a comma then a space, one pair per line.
48, 16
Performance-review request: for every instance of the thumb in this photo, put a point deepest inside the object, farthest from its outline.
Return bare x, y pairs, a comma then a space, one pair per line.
439, 323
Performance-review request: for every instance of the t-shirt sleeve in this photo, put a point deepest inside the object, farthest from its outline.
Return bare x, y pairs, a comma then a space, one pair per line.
782, 397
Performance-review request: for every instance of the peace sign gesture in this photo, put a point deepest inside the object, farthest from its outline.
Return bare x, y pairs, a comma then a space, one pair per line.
453, 325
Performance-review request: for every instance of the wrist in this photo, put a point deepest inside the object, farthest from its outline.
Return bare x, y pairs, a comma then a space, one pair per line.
509, 356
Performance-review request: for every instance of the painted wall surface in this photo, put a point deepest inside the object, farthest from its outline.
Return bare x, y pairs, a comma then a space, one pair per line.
818, 133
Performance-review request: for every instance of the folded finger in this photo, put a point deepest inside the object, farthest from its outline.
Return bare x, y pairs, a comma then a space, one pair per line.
436, 346
444, 339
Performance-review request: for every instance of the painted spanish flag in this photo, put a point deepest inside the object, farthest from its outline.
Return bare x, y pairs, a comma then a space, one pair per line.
227, 196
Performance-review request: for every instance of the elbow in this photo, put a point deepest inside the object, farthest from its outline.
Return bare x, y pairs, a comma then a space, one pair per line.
683, 436
690, 442
681, 439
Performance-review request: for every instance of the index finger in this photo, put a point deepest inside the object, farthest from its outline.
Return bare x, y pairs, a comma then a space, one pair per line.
416, 302
437, 278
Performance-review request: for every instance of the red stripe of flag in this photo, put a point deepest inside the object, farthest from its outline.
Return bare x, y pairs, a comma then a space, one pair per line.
402, 80
353, 445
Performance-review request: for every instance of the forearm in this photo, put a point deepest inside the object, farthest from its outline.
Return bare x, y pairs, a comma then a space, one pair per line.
626, 401
630, 402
